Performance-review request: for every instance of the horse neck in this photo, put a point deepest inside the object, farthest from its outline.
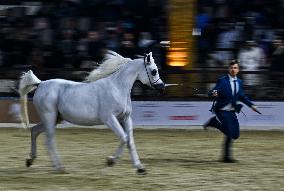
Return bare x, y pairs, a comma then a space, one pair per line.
127, 75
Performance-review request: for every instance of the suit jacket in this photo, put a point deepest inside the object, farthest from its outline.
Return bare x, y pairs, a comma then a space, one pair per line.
225, 95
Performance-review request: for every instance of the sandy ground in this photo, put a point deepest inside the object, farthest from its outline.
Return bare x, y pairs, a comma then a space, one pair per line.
174, 159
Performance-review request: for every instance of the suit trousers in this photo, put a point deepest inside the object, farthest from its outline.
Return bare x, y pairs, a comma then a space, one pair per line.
228, 124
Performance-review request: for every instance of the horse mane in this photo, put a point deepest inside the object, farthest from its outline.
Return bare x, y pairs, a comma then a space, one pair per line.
112, 63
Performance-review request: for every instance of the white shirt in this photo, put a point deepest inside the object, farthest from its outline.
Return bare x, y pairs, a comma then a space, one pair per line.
229, 106
232, 84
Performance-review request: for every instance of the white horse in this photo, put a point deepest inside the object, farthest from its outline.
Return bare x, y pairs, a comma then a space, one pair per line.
103, 101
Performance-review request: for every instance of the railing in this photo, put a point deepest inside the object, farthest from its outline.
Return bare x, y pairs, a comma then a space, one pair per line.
190, 84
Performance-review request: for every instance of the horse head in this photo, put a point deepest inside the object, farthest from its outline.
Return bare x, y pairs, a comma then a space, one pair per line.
150, 75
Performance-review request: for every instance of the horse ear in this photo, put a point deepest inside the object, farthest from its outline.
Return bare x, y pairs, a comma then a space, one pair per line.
148, 58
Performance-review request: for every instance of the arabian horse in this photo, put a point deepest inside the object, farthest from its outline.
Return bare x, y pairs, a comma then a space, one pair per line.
100, 100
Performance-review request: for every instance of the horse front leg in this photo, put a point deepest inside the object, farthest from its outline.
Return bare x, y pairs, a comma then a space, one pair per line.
127, 123
115, 126
35, 132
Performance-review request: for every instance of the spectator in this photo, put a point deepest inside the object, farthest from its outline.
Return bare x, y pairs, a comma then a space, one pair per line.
42, 33
127, 46
36, 59
96, 47
203, 18
67, 46
112, 39
226, 43
205, 39
145, 42
277, 67
252, 58
277, 56
43, 40
221, 10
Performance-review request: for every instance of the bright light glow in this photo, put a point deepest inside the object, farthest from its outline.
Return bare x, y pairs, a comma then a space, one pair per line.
177, 63
177, 56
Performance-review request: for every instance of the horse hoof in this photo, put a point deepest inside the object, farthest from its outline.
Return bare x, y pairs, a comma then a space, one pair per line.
61, 170
110, 161
29, 162
141, 171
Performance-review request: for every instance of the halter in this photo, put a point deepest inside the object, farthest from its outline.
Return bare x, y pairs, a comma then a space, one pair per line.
151, 83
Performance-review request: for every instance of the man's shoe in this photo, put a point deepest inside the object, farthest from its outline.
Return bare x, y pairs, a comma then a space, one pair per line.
229, 160
205, 125
208, 123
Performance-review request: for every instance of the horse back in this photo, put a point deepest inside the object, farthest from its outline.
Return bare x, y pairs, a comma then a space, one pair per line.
48, 91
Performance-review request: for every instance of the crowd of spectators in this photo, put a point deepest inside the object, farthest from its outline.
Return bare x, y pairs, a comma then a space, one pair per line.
250, 31
76, 33
232, 28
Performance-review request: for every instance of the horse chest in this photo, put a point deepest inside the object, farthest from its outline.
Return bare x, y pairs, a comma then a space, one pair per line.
123, 109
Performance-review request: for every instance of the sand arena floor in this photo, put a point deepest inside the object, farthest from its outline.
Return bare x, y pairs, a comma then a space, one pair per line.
174, 159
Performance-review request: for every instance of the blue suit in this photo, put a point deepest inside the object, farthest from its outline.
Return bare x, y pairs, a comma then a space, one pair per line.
225, 95
227, 121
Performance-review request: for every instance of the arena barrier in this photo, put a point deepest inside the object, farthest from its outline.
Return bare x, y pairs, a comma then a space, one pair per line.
167, 114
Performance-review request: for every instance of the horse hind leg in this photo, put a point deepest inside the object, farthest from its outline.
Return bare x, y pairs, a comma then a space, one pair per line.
111, 159
49, 120
35, 132
52, 150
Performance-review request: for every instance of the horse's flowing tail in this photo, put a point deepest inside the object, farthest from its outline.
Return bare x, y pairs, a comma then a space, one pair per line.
28, 83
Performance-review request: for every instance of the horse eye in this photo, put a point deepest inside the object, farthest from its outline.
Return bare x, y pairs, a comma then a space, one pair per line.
154, 72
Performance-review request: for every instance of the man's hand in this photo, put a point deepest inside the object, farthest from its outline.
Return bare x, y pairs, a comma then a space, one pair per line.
254, 108
214, 93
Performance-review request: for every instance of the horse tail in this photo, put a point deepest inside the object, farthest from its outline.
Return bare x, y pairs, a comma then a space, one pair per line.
28, 83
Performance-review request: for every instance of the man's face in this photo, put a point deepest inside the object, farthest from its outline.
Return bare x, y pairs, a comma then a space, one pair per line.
233, 70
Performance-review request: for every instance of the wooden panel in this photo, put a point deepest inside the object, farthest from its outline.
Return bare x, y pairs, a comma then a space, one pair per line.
181, 52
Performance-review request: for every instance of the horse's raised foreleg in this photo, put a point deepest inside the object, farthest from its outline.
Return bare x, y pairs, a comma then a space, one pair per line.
115, 126
35, 132
127, 123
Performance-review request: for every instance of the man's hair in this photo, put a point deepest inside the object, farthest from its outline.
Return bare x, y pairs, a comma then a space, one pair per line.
232, 62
